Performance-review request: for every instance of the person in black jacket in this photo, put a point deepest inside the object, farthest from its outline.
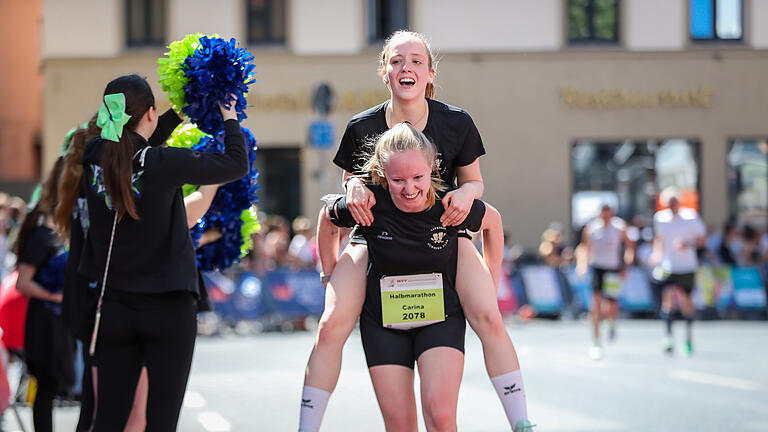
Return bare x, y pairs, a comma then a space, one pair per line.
139, 250
80, 295
49, 348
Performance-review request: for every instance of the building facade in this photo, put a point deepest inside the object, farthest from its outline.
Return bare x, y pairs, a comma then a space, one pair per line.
579, 102
21, 82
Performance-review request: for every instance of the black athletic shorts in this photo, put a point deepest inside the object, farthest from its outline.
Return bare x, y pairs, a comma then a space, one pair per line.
598, 277
385, 346
683, 280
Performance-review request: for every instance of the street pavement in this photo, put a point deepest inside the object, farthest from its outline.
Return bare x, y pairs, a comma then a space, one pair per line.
253, 383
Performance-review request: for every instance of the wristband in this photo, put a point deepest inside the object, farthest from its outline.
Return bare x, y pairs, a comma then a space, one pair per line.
325, 278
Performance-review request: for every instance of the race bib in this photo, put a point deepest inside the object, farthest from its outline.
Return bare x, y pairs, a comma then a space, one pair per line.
612, 285
412, 301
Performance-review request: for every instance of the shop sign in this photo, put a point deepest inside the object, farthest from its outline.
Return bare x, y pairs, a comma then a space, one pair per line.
613, 98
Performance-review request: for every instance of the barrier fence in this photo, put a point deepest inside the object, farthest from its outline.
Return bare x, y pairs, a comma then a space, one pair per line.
278, 298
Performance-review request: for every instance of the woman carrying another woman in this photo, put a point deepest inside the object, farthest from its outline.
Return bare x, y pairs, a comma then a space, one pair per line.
407, 69
139, 243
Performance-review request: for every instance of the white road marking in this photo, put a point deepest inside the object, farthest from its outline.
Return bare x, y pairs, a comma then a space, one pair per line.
712, 379
193, 400
213, 422
757, 426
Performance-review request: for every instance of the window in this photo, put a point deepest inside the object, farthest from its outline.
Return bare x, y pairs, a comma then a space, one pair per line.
280, 181
629, 174
748, 182
145, 23
593, 21
266, 21
385, 17
716, 20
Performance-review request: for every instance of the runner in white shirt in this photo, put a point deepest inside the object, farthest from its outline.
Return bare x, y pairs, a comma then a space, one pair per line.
609, 251
678, 232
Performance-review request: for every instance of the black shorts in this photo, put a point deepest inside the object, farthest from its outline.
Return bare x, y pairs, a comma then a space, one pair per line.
385, 346
683, 280
598, 278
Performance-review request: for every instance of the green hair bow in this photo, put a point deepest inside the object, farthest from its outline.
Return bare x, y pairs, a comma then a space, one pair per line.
112, 117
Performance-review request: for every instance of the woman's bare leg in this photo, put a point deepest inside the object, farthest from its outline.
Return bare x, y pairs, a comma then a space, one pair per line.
440, 371
393, 385
478, 299
344, 296
477, 294
137, 421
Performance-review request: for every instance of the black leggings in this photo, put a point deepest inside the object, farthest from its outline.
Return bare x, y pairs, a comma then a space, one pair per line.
87, 399
42, 410
156, 330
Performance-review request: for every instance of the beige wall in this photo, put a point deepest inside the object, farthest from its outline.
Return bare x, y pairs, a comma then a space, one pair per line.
225, 18
490, 25
20, 88
655, 24
514, 100
82, 28
327, 27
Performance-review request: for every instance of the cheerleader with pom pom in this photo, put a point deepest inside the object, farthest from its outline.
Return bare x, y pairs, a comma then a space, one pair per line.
139, 250
71, 220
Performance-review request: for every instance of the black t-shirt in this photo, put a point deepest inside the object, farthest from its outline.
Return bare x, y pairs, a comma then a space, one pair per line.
44, 250
401, 243
450, 128
41, 245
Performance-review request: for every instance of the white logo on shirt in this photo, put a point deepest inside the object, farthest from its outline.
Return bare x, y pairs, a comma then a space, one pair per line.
437, 239
384, 236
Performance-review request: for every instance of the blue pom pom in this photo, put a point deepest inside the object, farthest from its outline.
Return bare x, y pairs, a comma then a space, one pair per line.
217, 70
224, 213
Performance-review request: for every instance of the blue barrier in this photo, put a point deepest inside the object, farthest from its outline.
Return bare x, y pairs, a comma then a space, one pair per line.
748, 288
283, 294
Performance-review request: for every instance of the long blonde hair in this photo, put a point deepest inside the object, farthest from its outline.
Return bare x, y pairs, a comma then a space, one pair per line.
429, 92
402, 137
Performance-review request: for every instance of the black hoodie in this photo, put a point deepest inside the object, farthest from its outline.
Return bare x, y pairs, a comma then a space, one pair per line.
155, 253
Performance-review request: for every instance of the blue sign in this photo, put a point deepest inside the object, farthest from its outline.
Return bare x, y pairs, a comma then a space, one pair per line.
748, 288
321, 134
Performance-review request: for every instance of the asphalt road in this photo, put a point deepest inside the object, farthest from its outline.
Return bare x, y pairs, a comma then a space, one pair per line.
253, 383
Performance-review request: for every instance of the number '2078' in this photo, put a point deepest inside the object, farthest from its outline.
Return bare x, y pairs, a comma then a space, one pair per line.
413, 315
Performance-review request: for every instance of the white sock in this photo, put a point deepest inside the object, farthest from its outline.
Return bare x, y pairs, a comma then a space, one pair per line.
509, 387
313, 403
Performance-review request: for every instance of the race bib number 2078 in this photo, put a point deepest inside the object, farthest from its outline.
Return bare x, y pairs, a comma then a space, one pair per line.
412, 301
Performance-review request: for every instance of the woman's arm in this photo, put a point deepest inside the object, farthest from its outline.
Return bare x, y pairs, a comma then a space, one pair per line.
629, 249
166, 123
458, 202
582, 253
29, 288
360, 199
183, 166
198, 202
493, 242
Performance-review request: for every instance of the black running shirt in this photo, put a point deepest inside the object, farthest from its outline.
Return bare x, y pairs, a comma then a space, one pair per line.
450, 128
401, 243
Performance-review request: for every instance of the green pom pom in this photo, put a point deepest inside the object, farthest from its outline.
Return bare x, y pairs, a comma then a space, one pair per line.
185, 136
250, 226
172, 77
188, 189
